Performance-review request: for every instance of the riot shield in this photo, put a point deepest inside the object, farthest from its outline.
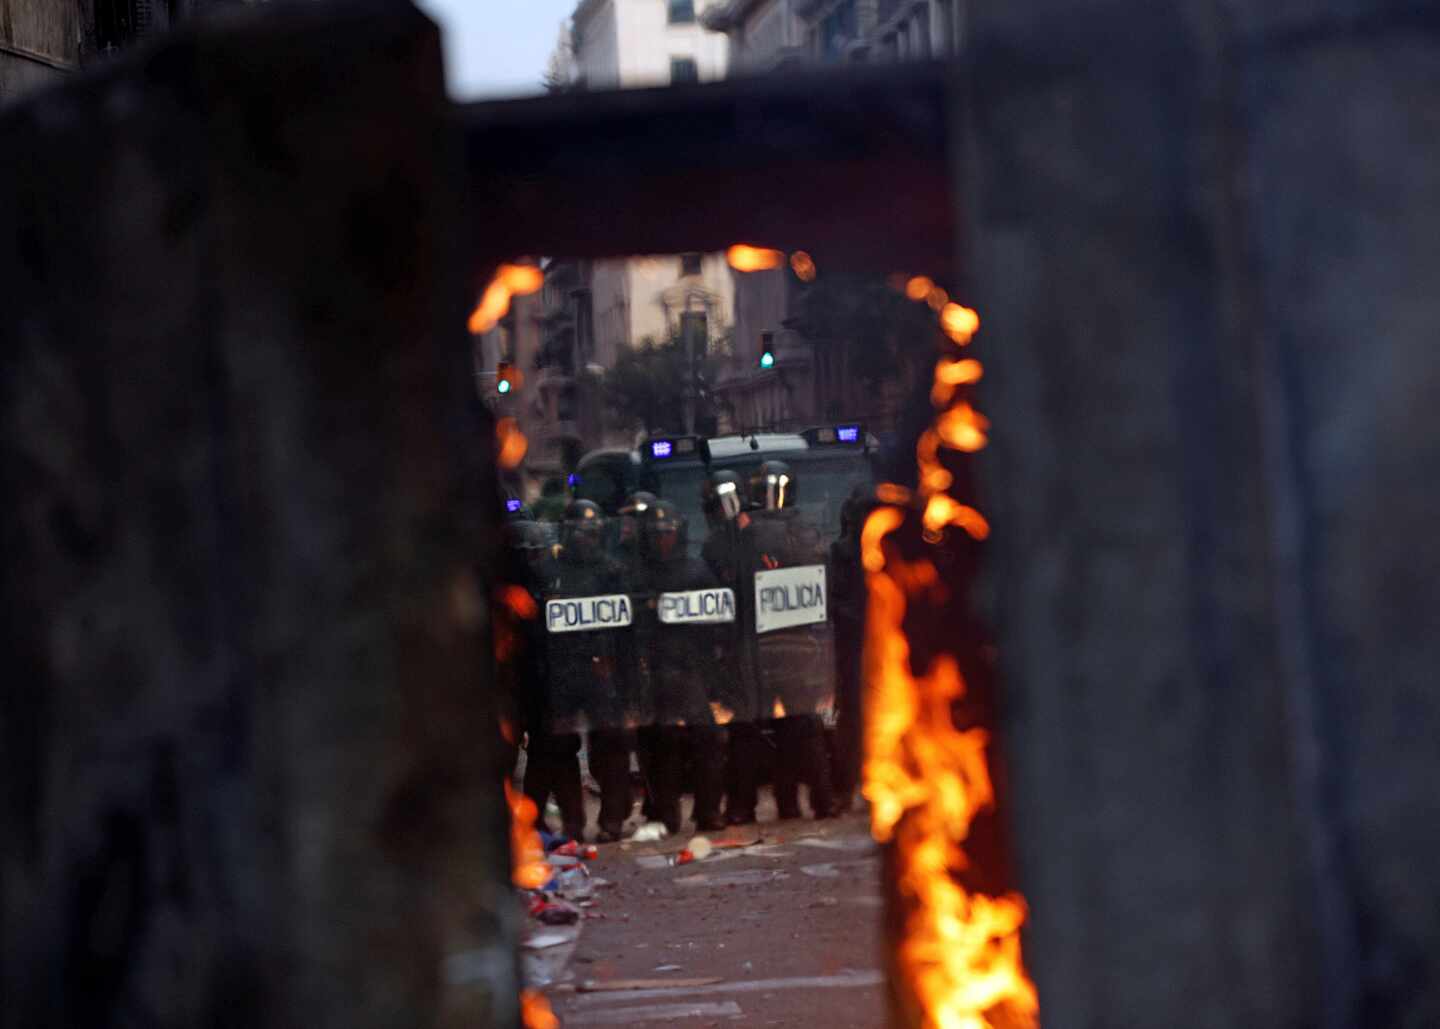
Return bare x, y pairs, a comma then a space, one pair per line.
793, 636
685, 621
735, 694
587, 618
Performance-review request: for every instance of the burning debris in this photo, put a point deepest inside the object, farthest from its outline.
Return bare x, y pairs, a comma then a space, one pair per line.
959, 964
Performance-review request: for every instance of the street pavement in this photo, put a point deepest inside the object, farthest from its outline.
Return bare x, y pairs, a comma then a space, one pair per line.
780, 926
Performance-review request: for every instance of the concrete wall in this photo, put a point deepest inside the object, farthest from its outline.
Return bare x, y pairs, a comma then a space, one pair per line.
1202, 239
39, 42
250, 762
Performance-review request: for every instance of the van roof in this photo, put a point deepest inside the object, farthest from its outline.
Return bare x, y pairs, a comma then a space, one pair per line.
722, 447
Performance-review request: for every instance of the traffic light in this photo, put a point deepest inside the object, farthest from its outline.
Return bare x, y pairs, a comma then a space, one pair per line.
504, 377
767, 350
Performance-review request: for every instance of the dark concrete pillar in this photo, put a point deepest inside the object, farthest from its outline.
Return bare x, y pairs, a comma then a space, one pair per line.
248, 759
1202, 238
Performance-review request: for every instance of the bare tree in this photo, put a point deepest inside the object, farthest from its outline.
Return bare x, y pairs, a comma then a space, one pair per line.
560, 70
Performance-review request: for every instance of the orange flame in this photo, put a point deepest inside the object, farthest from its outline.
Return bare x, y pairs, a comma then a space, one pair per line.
937, 298
959, 323
890, 493
535, 1011
942, 510
528, 869
925, 778
918, 287
745, 258
722, 714
521, 279
512, 443
963, 428
803, 265
509, 280
519, 602
778, 711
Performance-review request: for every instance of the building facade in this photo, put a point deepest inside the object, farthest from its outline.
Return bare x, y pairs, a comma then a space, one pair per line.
42, 41
810, 381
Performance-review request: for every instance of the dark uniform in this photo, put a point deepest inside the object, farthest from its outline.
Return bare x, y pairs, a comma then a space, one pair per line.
552, 763
792, 664
626, 547
847, 614
586, 682
678, 636
736, 692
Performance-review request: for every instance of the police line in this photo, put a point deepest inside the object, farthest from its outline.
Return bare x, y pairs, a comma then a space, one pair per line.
784, 598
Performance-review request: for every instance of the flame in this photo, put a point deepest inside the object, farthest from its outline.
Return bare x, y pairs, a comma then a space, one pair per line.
509, 280
508, 732
535, 1011
778, 711
803, 265
745, 258
890, 493
722, 714
512, 441
925, 778
959, 323
528, 869
918, 287
952, 374
963, 428
519, 602
521, 279
937, 298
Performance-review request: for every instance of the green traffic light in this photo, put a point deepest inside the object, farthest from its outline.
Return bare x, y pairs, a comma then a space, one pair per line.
767, 360
503, 386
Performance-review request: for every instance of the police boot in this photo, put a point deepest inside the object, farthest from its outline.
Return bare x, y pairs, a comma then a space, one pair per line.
744, 771
790, 759
708, 744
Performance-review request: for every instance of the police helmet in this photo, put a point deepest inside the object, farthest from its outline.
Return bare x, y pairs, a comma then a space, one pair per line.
772, 487
638, 502
583, 529
662, 518
723, 497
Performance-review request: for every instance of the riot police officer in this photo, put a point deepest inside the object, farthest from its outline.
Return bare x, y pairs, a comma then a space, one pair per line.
552, 756
790, 661
847, 614
736, 691
586, 685
685, 606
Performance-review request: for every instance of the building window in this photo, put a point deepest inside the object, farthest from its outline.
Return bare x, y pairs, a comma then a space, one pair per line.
682, 12
689, 265
694, 331
116, 24
682, 69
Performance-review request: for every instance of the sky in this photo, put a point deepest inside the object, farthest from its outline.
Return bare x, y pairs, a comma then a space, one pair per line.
497, 47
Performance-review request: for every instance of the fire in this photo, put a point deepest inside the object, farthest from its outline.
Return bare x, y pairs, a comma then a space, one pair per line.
519, 602
926, 779
744, 258
959, 323
528, 869
918, 287
963, 428
509, 280
778, 711
535, 1011
722, 714
803, 265
512, 443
